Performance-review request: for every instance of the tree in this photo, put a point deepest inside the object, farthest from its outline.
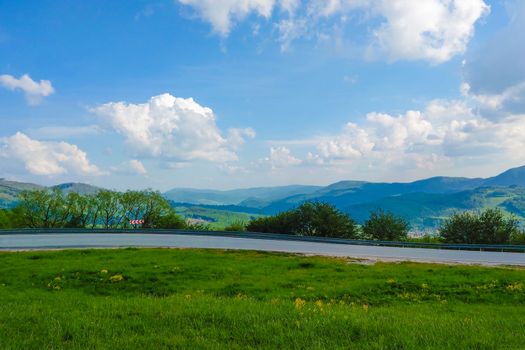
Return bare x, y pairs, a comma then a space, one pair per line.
5, 219
111, 214
385, 226
79, 207
43, 208
486, 227
309, 219
109, 209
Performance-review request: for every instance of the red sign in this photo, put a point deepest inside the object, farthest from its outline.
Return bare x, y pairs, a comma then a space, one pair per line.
136, 222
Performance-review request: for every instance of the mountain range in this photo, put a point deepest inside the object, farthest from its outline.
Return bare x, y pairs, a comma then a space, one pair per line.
424, 203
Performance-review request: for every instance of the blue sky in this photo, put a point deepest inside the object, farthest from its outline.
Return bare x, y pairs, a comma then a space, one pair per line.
239, 93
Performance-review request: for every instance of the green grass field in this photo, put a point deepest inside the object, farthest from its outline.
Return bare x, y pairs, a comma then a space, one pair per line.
205, 299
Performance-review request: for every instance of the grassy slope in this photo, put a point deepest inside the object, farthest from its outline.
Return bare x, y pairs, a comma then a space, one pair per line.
237, 300
217, 219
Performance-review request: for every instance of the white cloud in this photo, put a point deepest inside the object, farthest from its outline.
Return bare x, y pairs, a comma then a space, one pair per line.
281, 157
434, 30
45, 158
290, 30
444, 133
237, 137
130, 167
221, 13
34, 92
176, 129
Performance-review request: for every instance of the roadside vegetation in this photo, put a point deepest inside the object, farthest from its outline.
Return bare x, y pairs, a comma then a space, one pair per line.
308, 219
105, 209
202, 299
44, 208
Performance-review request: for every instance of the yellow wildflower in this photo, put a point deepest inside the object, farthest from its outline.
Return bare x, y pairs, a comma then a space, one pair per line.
116, 278
299, 303
518, 286
365, 307
390, 281
241, 296
319, 304
104, 271
424, 286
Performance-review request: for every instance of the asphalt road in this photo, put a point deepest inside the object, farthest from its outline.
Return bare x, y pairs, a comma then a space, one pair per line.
61, 241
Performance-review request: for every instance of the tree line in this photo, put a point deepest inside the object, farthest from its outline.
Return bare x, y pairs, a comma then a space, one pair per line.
110, 210
490, 226
104, 209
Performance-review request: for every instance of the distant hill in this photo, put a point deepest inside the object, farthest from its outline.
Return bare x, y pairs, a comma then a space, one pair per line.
9, 190
253, 197
511, 177
78, 187
427, 210
424, 202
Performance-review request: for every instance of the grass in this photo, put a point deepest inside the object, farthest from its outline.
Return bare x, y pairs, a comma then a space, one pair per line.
216, 219
213, 299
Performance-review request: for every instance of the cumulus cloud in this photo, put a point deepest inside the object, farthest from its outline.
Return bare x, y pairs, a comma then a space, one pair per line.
173, 128
432, 30
45, 158
439, 135
237, 137
281, 157
130, 167
34, 91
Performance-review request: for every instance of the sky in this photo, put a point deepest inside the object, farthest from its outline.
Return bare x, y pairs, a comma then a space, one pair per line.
243, 93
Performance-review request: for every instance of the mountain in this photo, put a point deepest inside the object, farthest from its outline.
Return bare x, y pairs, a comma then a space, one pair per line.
427, 210
255, 197
9, 190
78, 187
343, 194
424, 203
511, 177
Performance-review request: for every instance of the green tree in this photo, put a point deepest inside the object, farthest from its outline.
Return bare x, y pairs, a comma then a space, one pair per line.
5, 219
487, 227
385, 226
111, 215
43, 208
309, 219
79, 208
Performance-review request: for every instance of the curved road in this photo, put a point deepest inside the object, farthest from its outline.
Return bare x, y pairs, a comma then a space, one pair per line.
60, 241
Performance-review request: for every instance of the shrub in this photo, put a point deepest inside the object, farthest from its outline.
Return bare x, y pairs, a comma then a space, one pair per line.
309, 219
385, 226
518, 238
237, 225
486, 227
